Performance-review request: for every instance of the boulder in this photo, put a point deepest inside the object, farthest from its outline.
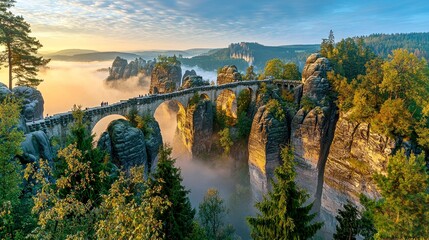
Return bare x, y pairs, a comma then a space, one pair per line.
165, 78
32, 101
36, 146
228, 74
4, 91
267, 135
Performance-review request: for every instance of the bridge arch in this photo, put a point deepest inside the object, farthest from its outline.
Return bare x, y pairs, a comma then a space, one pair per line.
226, 102
101, 125
170, 115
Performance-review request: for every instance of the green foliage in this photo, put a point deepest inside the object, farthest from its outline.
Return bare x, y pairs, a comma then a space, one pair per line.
141, 121
328, 44
402, 212
195, 99
276, 109
225, 140
307, 103
211, 215
250, 74
243, 101
393, 119
164, 61
10, 169
282, 214
348, 223
129, 210
20, 53
244, 124
291, 72
177, 219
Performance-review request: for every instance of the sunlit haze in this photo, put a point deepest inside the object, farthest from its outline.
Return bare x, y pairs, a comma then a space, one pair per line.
181, 24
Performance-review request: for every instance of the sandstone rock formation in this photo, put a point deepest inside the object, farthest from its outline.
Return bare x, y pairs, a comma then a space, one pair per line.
356, 153
188, 73
228, 74
195, 127
129, 146
36, 146
267, 135
121, 69
165, 78
313, 130
32, 100
193, 81
241, 51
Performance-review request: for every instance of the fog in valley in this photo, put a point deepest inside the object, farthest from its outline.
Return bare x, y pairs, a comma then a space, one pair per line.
69, 83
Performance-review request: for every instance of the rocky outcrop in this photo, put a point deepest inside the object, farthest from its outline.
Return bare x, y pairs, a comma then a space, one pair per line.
228, 74
128, 145
313, 129
4, 91
195, 127
121, 69
165, 78
194, 81
267, 135
36, 146
188, 73
355, 154
242, 51
32, 101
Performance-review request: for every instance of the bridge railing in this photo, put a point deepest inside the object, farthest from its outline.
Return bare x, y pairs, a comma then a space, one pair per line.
67, 117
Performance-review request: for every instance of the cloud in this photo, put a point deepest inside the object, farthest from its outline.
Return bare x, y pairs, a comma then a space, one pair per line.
199, 22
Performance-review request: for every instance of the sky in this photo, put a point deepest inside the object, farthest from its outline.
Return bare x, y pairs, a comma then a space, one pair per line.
129, 25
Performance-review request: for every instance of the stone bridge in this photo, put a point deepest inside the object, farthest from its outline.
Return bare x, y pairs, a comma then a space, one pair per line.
59, 125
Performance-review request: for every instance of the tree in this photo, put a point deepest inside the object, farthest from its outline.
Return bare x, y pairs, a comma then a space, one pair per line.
291, 71
129, 210
211, 215
282, 214
250, 74
225, 140
178, 218
328, 44
274, 68
10, 169
393, 119
403, 210
349, 223
20, 49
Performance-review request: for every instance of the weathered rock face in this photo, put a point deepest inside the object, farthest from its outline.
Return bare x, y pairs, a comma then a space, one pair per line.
32, 102
242, 51
4, 91
194, 81
165, 78
36, 146
153, 142
121, 69
127, 143
196, 127
356, 153
313, 131
228, 74
129, 146
188, 73
266, 137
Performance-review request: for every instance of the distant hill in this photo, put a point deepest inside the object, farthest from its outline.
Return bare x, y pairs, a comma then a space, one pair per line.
95, 56
179, 53
383, 44
70, 52
244, 54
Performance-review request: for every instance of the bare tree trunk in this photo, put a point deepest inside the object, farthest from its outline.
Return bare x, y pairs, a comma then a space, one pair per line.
9, 58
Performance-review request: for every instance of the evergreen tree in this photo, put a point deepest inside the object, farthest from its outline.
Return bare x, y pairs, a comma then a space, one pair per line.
403, 210
328, 44
349, 223
178, 218
282, 214
10, 169
250, 74
211, 215
291, 72
20, 49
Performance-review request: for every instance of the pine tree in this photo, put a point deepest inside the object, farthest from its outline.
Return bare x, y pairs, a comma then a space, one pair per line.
349, 223
10, 169
211, 215
282, 214
20, 49
178, 218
